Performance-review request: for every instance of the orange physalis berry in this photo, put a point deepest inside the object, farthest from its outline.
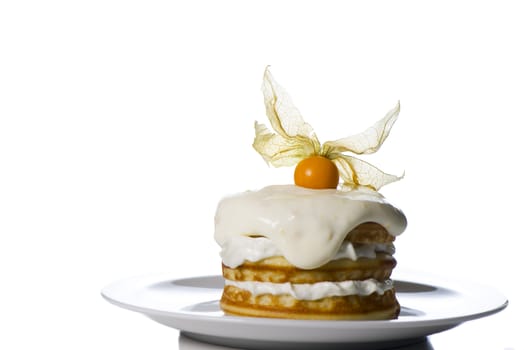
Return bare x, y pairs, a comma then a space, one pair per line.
316, 172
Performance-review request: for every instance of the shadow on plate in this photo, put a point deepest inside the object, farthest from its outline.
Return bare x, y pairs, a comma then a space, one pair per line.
217, 282
407, 311
188, 341
213, 282
412, 288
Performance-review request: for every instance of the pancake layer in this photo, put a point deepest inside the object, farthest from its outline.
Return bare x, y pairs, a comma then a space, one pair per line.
236, 301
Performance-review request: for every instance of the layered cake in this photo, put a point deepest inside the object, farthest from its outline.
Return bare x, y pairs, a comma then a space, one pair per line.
321, 248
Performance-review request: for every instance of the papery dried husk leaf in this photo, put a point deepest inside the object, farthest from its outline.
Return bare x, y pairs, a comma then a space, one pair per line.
281, 151
294, 140
368, 141
355, 172
284, 117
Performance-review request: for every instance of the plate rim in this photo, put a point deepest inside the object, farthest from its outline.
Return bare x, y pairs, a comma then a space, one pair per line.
333, 326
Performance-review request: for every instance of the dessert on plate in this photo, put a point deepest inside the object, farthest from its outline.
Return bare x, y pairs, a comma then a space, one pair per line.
320, 248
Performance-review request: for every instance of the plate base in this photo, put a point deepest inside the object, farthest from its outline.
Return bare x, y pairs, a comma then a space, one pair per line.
266, 344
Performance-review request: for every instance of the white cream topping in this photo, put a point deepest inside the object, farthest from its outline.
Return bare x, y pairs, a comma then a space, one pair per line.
238, 249
306, 226
315, 291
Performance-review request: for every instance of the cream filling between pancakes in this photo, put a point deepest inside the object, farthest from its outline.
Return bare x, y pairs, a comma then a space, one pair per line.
307, 226
315, 291
241, 248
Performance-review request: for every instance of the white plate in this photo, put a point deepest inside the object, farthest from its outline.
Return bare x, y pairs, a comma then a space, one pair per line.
429, 305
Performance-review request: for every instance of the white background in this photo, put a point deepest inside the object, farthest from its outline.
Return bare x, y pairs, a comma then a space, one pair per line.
122, 123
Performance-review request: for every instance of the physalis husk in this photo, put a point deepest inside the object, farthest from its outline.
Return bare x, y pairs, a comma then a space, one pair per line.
294, 140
